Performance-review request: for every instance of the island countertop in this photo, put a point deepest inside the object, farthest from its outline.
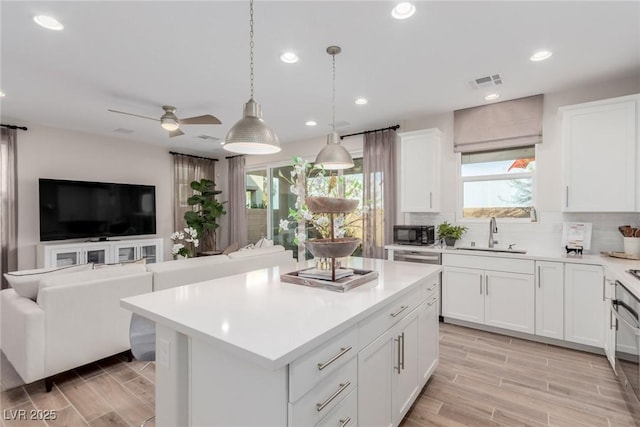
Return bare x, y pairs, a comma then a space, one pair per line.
258, 317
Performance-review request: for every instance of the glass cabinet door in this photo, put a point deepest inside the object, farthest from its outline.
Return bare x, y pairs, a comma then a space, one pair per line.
63, 258
125, 253
149, 253
97, 255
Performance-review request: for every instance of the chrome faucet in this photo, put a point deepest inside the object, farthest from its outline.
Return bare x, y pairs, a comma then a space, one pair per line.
493, 228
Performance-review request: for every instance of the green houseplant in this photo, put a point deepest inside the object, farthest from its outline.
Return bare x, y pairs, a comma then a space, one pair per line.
450, 233
208, 209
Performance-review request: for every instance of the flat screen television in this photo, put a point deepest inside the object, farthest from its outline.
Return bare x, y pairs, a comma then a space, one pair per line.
81, 209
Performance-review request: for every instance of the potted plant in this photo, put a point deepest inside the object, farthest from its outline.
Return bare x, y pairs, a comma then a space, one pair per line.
208, 210
450, 233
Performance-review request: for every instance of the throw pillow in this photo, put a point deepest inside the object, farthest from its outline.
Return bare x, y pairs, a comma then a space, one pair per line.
264, 243
231, 248
26, 282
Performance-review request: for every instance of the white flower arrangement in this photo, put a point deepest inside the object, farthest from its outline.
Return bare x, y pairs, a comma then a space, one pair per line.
180, 240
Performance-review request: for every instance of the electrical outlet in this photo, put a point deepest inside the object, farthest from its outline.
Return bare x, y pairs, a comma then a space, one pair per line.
164, 351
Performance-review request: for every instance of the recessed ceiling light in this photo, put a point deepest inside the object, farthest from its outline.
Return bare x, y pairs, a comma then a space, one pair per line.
311, 123
361, 101
403, 10
2, 94
289, 57
491, 97
541, 55
48, 22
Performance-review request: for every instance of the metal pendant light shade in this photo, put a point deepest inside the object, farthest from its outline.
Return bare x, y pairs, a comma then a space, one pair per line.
334, 156
250, 135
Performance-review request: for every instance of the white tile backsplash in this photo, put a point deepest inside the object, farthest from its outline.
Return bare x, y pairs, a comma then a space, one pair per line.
544, 235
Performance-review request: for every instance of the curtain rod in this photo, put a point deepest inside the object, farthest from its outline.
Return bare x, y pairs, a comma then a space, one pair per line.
190, 155
14, 127
232, 157
394, 127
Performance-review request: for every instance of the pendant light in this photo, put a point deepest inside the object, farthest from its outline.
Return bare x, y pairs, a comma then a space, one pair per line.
334, 156
250, 135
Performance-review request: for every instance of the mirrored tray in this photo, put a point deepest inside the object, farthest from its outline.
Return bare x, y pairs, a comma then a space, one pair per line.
358, 278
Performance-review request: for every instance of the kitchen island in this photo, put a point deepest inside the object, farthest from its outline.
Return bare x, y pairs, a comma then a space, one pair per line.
250, 349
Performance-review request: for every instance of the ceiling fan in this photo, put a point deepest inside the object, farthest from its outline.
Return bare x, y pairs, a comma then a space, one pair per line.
169, 121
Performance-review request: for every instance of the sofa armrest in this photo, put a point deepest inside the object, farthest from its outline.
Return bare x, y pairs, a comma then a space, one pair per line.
22, 334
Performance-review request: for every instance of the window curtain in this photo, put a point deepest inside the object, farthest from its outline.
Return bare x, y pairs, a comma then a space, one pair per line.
379, 170
237, 201
185, 170
8, 203
508, 124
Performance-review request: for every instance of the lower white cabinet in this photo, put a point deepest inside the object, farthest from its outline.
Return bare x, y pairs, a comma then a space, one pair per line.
109, 252
584, 321
374, 371
550, 299
494, 298
428, 337
404, 382
610, 323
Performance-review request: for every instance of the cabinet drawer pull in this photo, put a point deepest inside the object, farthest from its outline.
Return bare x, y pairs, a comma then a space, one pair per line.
343, 350
435, 285
343, 423
429, 304
402, 308
343, 387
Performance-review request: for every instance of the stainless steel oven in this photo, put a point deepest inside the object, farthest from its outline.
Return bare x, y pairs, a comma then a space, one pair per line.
626, 308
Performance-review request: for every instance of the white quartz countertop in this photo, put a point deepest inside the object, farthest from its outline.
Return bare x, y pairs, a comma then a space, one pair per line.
256, 316
615, 267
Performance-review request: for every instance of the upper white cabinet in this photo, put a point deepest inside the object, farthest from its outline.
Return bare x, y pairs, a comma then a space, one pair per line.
601, 155
420, 159
112, 251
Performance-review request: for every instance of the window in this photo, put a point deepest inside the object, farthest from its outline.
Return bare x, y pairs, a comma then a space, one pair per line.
256, 191
498, 183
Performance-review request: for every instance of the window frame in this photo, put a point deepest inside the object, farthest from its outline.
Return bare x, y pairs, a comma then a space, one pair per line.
460, 180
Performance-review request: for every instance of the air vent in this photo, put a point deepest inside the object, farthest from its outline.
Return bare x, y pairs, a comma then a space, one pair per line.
488, 81
123, 130
208, 138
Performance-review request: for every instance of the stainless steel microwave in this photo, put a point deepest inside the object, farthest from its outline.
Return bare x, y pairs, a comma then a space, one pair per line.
416, 235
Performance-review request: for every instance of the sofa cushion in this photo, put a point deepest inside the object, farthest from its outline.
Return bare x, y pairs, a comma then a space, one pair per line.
91, 275
257, 251
26, 282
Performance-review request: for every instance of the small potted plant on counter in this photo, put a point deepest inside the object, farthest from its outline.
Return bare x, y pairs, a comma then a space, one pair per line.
450, 233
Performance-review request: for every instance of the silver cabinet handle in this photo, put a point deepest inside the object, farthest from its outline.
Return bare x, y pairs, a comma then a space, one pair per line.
399, 367
433, 301
402, 360
343, 387
343, 350
486, 285
567, 196
481, 284
604, 287
539, 279
402, 308
433, 287
430, 200
343, 423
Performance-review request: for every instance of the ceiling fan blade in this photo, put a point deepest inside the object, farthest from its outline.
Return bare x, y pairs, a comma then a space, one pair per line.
176, 132
207, 119
134, 115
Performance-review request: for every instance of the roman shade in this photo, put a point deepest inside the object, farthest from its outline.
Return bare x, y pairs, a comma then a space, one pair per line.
507, 124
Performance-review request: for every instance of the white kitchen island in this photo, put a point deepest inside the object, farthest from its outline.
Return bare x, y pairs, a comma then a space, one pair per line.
252, 350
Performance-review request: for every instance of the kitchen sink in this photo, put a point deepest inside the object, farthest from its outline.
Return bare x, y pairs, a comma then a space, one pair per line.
487, 249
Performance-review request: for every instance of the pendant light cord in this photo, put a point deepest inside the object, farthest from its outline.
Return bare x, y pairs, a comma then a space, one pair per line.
251, 44
333, 95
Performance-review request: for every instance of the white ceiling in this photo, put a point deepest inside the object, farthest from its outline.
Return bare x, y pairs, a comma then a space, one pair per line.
138, 56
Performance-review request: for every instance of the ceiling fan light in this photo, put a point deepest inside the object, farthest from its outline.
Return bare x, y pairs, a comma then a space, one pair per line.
250, 135
334, 156
169, 123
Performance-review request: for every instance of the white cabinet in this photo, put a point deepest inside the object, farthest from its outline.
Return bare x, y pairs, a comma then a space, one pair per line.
428, 338
610, 320
584, 321
404, 382
550, 299
109, 252
420, 159
503, 299
601, 158
375, 372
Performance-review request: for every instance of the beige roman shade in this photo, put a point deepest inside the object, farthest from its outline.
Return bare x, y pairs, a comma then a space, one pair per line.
507, 124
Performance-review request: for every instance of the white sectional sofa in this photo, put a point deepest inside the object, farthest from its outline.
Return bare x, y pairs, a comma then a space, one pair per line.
63, 321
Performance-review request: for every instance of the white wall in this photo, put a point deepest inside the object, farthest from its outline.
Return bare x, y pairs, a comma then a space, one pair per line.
45, 152
547, 232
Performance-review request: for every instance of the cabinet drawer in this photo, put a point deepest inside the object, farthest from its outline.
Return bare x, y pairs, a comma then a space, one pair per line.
313, 367
344, 415
376, 324
325, 396
509, 265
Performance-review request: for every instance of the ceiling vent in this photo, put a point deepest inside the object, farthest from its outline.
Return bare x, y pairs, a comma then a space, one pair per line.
123, 130
487, 81
208, 138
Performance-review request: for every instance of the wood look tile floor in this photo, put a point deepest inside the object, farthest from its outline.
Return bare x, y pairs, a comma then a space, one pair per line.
483, 379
